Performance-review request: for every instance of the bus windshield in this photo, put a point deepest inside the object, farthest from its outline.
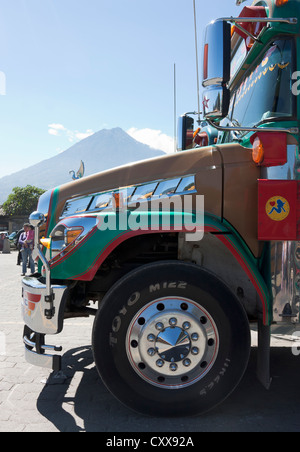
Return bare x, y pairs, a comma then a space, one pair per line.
266, 91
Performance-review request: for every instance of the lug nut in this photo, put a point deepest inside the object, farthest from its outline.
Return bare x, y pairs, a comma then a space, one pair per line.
186, 325
173, 367
187, 362
173, 321
151, 351
159, 326
195, 336
195, 351
160, 363
151, 338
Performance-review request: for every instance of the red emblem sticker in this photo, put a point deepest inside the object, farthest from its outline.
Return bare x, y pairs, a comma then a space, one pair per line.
277, 210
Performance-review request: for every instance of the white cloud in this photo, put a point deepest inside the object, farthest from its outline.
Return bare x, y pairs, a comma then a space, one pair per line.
55, 129
53, 132
153, 138
57, 126
72, 136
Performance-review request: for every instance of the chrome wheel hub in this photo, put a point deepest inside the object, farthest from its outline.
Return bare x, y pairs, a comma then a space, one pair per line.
172, 342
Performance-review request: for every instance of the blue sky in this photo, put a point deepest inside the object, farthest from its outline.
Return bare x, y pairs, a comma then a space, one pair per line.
74, 67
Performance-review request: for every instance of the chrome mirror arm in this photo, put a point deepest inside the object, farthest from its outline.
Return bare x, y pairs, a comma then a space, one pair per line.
36, 220
292, 130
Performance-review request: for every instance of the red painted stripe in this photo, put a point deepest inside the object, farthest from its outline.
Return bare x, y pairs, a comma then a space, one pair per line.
90, 273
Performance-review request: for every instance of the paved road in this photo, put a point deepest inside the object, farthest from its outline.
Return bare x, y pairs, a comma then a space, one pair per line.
82, 403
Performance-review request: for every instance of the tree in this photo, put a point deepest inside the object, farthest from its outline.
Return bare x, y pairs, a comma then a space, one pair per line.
22, 200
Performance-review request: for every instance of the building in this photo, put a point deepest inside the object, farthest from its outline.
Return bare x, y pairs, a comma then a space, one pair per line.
11, 223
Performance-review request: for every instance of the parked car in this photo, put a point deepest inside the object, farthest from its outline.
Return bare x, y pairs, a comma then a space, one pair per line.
12, 238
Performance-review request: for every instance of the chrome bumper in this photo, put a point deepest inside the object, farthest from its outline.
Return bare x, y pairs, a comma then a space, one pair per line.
42, 315
38, 357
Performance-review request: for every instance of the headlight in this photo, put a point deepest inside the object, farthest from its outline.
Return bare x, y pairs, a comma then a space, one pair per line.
62, 237
68, 234
71, 234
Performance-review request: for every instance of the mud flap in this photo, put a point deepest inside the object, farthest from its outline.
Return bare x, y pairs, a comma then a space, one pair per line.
263, 355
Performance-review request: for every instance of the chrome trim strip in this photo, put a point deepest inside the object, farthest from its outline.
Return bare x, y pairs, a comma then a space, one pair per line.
115, 190
266, 20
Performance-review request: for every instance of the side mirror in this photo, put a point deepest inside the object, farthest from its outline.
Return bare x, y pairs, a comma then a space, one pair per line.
216, 101
216, 69
217, 52
36, 219
185, 133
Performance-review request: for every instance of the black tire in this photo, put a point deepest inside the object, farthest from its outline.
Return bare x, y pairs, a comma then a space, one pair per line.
170, 339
